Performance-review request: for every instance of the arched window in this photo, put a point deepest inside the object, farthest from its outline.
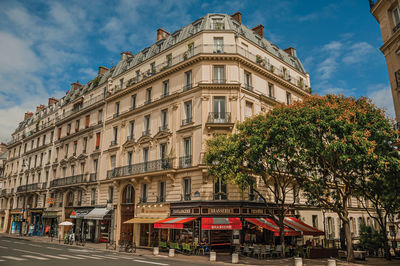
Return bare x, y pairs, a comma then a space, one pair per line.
127, 195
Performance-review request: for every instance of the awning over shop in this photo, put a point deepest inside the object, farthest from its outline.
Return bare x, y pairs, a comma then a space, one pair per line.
142, 221
299, 225
79, 213
16, 212
49, 215
270, 225
96, 214
221, 223
173, 222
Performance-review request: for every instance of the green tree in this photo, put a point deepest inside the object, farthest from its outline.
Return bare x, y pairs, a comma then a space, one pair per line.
259, 155
370, 239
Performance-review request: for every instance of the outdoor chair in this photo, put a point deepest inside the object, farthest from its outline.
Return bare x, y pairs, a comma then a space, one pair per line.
257, 251
246, 250
278, 250
299, 251
162, 245
308, 250
265, 251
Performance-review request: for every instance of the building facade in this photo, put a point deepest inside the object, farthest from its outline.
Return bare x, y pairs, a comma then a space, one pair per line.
126, 149
387, 13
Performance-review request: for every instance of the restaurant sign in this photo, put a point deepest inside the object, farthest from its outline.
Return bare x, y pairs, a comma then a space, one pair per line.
181, 211
152, 210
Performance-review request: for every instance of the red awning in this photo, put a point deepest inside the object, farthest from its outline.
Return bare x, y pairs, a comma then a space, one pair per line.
173, 222
221, 223
299, 225
269, 224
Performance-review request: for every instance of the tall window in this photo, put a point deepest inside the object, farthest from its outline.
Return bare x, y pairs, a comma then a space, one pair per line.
145, 158
187, 152
396, 17
66, 150
161, 192
288, 98
121, 83
165, 91
113, 161
249, 109
75, 146
144, 193
163, 151
116, 111
44, 142
153, 67
128, 194
100, 116
110, 194
187, 188
137, 75
187, 112
131, 130
169, 59
129, 157
51, 138
133, 101
85, 144
315, 221
77, 122
271, 91
218, 45
115, 136
146, 125
247, 81
220, 190
148, 96
219, 109
97, 140
164, 120
219, 74
93, 196
72, 170
95, 165
188, 80
68, 130
217, 24
87, 121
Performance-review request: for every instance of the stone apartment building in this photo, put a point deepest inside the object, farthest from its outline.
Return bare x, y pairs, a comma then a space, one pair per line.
124, 151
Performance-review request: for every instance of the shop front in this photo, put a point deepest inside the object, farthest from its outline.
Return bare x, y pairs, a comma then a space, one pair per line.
77, 216
50, 223
17, 218
36, 225
97, 225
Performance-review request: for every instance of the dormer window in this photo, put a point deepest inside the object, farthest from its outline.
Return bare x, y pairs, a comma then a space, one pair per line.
217, 24
175, 38
196, 27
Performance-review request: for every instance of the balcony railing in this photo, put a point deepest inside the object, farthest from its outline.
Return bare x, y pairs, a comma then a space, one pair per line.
81, 107
220, 196
93, 177
248, 87
187, 87
185, 161
113, 142
219, 81
146, 132
129, 138
187, 121
140, 168
70, 180
164, 128
29, 187
186, 197
219, 117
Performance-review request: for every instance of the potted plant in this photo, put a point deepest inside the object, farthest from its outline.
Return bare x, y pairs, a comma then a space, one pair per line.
258, 59
272, 68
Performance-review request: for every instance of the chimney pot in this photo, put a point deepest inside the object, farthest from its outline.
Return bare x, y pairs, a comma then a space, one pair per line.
292, 51
161, 34
40, 107
28, 115
259, 30
125, 55
52, 100
102, 69
75, 85
237, 16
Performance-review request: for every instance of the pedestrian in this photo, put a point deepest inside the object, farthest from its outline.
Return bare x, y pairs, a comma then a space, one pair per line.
31, 228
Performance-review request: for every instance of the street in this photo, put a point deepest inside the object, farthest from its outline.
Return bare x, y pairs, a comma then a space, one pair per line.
26, 252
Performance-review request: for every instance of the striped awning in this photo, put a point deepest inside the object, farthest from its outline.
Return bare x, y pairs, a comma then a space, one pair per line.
270, 225
296, 224
221, 223
173, 222
141, 221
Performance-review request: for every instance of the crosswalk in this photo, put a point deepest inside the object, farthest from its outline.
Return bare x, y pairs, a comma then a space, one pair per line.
42, 257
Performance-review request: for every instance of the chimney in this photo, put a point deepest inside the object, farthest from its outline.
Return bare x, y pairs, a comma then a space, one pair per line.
237, 16
161, 34
259, 30
3, 147
102, 69
40, 107
52, 101
75, 85
292, 51
125, 55
28, 115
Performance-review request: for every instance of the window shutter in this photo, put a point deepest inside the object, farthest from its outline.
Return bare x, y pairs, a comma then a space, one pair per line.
87, 121
97, 139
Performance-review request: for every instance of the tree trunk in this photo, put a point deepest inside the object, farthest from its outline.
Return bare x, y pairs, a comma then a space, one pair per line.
349, 242
282, 238
386, 244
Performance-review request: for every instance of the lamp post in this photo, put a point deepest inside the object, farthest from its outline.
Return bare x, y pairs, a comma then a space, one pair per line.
325, 239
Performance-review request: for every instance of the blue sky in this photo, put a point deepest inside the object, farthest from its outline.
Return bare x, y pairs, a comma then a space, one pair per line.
47, 45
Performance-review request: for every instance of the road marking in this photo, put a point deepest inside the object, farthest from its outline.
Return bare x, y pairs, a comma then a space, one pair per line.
12, 258
2, 260
35, 245
54, 248
6, 240
3, 247
104, 257
71, 256
89, 257
27, 251
34, 257
54, 257
79, 250
120, 257
151, 262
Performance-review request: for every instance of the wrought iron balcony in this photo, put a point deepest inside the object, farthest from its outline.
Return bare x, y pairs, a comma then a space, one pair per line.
185, 161
187, 87
139, 168
248, 87
219, 81
220, 196
70, 180
130, 138
163, 128
187, 121
146, 132
219, 117
29, 187
93, 177
113, 142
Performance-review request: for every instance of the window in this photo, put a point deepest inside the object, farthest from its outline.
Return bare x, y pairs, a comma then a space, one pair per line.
145, 155
148, 96
75, 146
219, 115
331, 228
133, 101
95, 164
137, 75
72, 170
144, 193
153, 67
121, 83
168, 59
82, 168
164, 120
77, 122
187, 188
217, 24
288, 98
110, 194
113, 161
165, 91
100, 116
64, 171
188, 80
163, 151
116, 113
220, 190
66, 150
85, 144
128, 194
44, 142
51, 137
396, 18
247, 81
87, 121
315, 221
219, 74
146, 131
131, 130
97, 140
249, 109
115, 136
271, 91
68, 129
161, 192
187, 113
196, 27
38, 142
186, 160
129, 157
93, 196
218, 45
79, 197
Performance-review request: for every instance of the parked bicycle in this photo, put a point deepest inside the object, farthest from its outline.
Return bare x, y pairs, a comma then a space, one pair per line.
127, 246
80, 241
111, 245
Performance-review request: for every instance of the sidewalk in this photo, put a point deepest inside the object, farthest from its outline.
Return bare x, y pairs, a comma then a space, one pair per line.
221, 258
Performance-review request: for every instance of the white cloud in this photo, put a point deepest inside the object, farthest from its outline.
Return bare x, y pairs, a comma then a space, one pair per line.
358, 52
327, 67
381, 95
